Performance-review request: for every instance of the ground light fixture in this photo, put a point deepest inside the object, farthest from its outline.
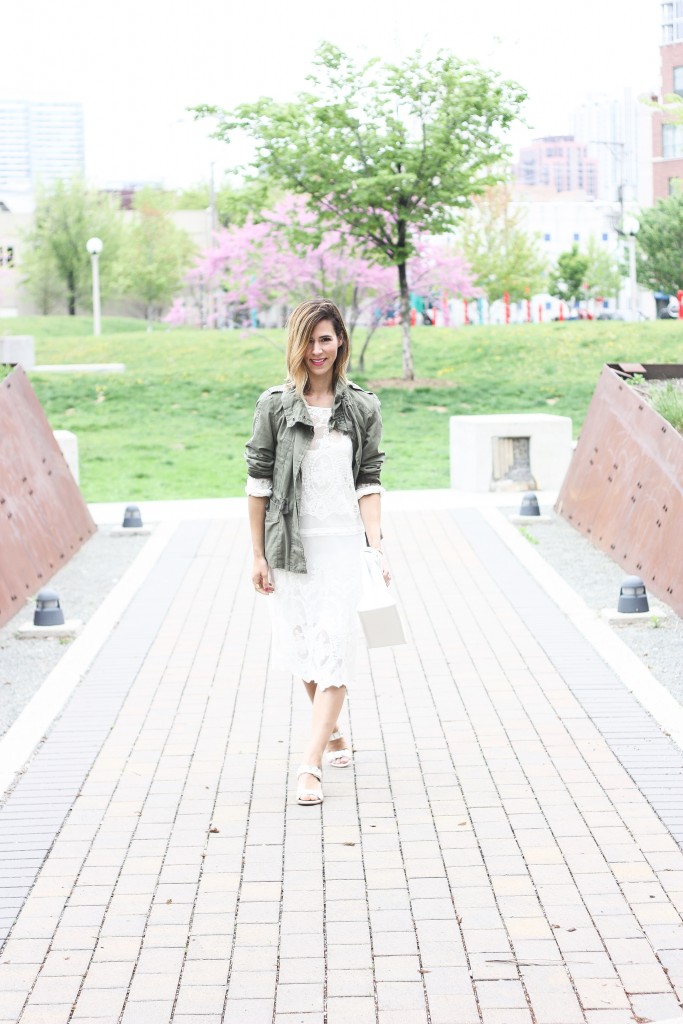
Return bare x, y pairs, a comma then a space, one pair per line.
632, 596
48, 609
132, 519
529, 506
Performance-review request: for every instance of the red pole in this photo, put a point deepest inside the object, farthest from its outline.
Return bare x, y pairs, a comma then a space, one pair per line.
561, 316
679, 296
528, 311
540, 312
506, 300
467, 310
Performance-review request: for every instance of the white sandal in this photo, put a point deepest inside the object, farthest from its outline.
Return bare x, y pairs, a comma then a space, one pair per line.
317, 794
334, 755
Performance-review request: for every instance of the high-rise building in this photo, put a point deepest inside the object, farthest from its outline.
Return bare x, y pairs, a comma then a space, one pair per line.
617, 133
558, 163
667, 136
39, 143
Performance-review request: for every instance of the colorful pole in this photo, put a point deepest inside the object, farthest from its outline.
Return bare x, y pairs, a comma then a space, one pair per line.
561, 316
506, 300
540, 312
466, 309
679, 296
528, 311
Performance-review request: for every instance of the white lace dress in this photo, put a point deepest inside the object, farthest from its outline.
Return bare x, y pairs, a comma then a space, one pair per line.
313, 614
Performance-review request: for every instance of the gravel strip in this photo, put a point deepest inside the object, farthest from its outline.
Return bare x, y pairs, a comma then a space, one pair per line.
82, 584
597, 580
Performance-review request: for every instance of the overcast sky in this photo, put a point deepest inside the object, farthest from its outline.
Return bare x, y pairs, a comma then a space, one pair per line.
137, 64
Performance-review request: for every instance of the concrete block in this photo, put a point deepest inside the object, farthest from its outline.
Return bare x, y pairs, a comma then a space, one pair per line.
68, 442
480, 446
18, 349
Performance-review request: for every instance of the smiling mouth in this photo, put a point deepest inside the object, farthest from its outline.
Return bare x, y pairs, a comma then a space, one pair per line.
318, 362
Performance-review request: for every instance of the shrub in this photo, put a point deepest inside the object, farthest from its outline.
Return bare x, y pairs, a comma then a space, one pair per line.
668, 401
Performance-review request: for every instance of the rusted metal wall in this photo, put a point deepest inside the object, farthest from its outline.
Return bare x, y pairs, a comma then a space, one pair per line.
43, 517
624, 486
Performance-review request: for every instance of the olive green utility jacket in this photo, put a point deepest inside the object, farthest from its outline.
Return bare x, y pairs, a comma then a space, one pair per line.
281, 437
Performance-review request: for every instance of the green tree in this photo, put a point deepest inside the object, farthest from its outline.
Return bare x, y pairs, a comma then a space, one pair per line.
660, 245
66, 216
234, 203
503, 256
604, 271
196, 197
40, 276
568, 276
156, 254
383, 151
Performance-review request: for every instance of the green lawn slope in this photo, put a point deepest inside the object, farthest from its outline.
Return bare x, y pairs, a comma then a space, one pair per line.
174, 424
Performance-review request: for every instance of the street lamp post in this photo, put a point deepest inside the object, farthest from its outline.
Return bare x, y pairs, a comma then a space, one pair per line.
630, 229
94, 247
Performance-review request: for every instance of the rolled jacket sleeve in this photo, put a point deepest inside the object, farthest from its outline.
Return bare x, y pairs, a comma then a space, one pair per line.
369, 489
260, 448
259, 487
371, 456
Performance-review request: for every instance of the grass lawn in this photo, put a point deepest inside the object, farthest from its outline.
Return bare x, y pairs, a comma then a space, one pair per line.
174, 424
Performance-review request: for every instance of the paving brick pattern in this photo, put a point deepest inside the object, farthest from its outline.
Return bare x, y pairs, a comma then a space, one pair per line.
33, 816
488, 859
650, 757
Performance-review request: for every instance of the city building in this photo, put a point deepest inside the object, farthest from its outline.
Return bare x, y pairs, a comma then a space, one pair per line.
617, 133
558, 163
39, 143
667, 135
558, 225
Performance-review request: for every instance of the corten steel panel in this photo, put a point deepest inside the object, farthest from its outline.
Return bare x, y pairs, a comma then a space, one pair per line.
43, 517
624, 485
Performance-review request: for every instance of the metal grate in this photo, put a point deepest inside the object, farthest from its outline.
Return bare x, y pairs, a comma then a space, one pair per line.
511, 464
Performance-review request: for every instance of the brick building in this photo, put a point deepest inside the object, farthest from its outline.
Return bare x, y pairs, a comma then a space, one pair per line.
558, 163
667, 139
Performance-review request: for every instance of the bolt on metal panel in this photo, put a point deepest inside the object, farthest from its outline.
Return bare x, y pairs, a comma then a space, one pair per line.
624, 486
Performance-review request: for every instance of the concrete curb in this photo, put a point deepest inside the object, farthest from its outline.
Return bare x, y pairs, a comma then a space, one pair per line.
24, 735
647, 690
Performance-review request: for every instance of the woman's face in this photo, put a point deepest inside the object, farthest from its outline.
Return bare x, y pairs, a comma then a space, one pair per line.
321, 351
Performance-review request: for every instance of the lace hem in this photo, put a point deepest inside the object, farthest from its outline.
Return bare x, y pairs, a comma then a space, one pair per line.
313, 614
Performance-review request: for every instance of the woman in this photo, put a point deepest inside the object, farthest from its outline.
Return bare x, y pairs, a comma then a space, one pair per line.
314, 499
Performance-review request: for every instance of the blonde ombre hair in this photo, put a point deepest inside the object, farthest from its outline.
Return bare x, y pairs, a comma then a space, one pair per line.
300, 325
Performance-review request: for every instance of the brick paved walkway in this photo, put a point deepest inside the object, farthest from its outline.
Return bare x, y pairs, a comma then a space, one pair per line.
503, 851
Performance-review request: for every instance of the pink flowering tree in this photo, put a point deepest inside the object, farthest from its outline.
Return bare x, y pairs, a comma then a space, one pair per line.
281, 260
285, 258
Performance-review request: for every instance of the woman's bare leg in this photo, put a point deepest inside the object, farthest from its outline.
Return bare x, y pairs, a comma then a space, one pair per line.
332, 745
327, 705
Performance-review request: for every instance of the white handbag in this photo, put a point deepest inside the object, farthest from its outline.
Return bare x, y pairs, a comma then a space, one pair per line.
377, 609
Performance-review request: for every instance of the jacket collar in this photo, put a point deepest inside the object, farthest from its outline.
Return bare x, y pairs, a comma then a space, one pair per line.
296, 410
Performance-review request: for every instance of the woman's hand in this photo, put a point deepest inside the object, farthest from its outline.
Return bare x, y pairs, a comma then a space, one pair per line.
260, 577
382, 562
